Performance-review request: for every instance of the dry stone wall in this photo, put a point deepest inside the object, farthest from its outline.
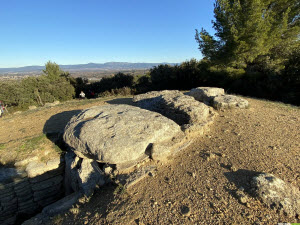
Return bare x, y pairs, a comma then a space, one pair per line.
24, 192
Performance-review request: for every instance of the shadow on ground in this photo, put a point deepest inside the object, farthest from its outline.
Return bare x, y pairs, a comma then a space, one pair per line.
55, 125
117, 101
242, 179
96, 210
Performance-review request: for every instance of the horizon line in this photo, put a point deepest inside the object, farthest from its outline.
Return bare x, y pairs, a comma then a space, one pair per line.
16, 67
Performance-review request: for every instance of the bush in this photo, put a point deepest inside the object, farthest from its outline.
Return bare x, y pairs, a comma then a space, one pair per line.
125, 91
37, 90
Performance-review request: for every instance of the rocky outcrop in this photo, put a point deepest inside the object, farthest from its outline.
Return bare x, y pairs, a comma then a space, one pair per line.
277, 194
206, 94
217, 98
192, 115
25, 192
121, 134
229, 101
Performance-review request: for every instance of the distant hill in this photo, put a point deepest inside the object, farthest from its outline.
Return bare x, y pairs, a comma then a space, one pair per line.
85, 67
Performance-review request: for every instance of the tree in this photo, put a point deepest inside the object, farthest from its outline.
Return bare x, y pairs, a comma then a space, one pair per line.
248, 31
52, 71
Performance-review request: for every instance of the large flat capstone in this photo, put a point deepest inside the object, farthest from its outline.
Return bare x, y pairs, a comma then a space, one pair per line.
120, 134
175, 105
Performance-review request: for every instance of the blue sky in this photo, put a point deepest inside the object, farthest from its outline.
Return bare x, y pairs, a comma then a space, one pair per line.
83, 31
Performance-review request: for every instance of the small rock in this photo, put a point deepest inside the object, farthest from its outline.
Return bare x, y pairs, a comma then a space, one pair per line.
32, 107
185, 210
232, 168
107, 169
242, 197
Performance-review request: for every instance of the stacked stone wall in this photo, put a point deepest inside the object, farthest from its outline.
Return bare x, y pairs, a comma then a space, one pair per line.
23, 195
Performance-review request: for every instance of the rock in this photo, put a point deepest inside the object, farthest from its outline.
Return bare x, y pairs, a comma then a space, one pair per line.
61, 205
26, 161
90, 176
175, 105
118, 134
7, 175
50, 199
185, 210
242, 197
10, 221
6, 189
25, 204
21, 184
32, 107
82, 175
47, 183
229, 101
7, 196
277, 194
43, 194
48, 104
9, 203
49, 174
107, 169
71, 170
34, 169
206, 94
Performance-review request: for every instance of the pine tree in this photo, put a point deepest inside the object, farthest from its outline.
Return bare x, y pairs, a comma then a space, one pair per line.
249, 31
52, 71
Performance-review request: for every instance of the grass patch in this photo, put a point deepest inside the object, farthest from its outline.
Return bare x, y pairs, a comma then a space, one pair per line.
38, 147
120, 190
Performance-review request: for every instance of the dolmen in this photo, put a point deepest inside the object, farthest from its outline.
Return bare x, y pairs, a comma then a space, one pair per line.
110, 139
117, 135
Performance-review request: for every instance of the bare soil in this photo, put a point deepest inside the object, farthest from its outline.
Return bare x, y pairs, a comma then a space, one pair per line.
199, 185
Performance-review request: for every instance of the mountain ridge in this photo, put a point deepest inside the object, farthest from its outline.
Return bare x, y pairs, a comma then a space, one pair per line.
87, 66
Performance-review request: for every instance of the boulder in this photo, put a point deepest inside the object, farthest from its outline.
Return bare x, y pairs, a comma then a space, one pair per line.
90, 176
193, 116
82, 175
229, 101
175, 105
71, 170
118, 134
206, 94
277, 194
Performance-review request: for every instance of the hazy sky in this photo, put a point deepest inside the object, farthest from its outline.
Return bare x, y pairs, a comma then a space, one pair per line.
83, 31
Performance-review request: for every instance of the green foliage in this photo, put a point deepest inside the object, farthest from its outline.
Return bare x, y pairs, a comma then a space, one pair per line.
53, 85
251, 30
107, 84
52, 71
124, 91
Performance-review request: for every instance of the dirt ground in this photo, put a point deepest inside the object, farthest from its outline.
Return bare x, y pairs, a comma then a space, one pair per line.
199, 185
